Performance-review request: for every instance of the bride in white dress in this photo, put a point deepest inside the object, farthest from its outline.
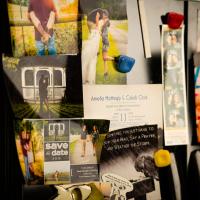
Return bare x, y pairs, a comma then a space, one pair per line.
90, 47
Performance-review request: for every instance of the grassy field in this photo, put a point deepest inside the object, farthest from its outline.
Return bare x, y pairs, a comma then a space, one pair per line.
114, 77
63, 178
72, 147
85, 30
56, 110
123, 26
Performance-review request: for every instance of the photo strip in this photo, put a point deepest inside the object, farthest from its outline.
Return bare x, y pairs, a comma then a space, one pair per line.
175, 109
44, 86
197, 100
43, 27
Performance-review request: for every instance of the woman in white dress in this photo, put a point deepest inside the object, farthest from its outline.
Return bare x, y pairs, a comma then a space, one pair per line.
90, 47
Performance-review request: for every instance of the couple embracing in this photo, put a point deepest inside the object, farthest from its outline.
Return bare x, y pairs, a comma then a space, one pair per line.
98, 24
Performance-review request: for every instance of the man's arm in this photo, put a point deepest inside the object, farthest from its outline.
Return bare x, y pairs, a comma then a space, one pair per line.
36, 23
97, 19
51, 21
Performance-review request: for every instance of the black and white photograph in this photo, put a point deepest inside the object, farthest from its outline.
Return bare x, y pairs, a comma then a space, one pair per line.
44, 86
128, 153
56, 130
173, 69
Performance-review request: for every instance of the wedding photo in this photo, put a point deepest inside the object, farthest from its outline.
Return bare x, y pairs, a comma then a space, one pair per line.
104, 38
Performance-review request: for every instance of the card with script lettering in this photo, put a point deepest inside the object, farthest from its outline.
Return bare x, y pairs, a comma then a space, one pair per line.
125, 105
60, 151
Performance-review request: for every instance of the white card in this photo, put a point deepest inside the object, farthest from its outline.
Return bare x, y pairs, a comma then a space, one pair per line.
124, 105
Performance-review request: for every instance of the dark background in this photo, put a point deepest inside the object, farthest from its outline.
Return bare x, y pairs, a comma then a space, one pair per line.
147, 70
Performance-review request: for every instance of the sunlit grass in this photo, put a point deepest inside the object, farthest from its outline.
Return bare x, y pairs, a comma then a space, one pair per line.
56, 110
64, 177
114, 76
14, 11
17, 41
72, 146
85, 30
123, 25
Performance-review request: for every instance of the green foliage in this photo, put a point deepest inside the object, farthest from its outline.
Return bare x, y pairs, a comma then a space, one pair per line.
102, 125
99, 146
75, 126
116, 8
85, 30
10, 63
37, 135
18, 2
23, 125
56, 110
28, 125
38, 125
18, 126
66, 39
72, 147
